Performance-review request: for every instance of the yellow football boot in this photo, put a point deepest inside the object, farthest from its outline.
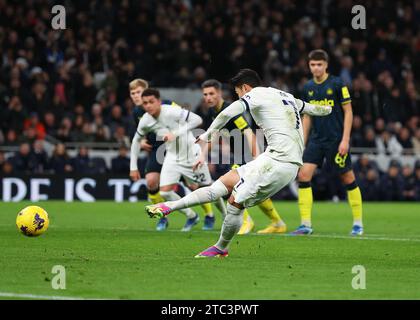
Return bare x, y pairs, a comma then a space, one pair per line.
272, 228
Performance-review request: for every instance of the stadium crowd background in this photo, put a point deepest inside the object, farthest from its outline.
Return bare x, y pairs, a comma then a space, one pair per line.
72, 85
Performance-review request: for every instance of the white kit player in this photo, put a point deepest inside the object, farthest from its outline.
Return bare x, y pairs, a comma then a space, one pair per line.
173, 124
277, 113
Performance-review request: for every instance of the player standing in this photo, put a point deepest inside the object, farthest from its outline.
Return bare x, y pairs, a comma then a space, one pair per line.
173, 125
277, 113
329, 140
212, 96
153, 168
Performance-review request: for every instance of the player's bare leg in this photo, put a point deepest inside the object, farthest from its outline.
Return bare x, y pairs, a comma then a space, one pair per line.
152, 182
305, 198
355, 200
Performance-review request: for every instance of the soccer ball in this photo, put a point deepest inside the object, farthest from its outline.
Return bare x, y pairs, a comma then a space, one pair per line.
32, 221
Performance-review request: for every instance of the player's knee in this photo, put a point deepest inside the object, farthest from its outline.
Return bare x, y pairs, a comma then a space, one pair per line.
347, 178
304, 176
152, 184
232, 202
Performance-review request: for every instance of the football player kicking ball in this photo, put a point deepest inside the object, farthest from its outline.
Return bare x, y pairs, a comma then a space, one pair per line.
173, 124
329, 140
153, 166
278, 114
212, 96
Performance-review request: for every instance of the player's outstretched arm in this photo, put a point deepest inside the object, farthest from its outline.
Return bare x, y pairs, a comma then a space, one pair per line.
313, 109
234, 109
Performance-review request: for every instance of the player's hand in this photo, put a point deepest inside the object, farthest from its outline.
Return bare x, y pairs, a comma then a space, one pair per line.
343, 148
200, 161
202, 138
169, 137
135, 175
144, 145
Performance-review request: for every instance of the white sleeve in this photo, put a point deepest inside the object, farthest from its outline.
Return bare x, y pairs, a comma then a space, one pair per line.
135, 145
188, 120
312, 109
236, 108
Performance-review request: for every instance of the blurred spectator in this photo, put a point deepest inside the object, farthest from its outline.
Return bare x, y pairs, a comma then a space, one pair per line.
22, 160
11, 138
363, 165
121, 163
39, 100
100, 135
60, 161
404, 138
50, 124
81, 163
370, 185
34, 123
346, 73
116, 119
409, 192
357, 132
415, 140
7, 168
387, 144
64, 132
84, 134
392, 183
39, 157
369, 140
380, 126
120, 136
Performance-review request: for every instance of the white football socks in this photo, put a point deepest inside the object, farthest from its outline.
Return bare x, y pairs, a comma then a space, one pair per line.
220, 205
199, 196
230, 227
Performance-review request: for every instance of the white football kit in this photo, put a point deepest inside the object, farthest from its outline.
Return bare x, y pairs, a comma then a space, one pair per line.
181, 153
277, 113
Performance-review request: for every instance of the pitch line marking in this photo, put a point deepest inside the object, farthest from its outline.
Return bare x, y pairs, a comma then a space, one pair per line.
40, 297
331, 236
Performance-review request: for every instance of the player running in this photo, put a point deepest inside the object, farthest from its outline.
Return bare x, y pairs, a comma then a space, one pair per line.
153, 166
212, 96
277, 113
329, 140
173, 125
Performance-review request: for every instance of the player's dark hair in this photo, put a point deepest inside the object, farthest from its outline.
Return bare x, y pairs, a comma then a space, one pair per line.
317, 55
246, 76
151, 92
211, 83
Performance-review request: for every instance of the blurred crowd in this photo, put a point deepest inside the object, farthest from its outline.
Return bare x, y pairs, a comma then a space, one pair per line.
72, 85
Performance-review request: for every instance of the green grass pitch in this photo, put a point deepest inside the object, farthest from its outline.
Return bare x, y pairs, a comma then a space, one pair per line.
111, 250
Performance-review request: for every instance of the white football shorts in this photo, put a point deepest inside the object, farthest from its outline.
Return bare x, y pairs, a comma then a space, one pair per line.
173, 171
262, 178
